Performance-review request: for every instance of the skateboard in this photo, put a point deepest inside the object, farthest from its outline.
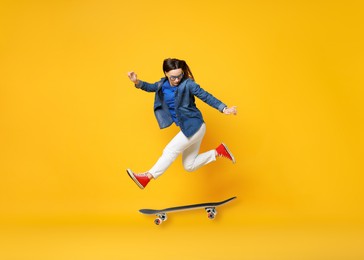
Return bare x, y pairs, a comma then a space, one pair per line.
209, 207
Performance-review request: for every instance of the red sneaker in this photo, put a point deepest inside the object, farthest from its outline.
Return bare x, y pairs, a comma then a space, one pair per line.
223, 151
140, 179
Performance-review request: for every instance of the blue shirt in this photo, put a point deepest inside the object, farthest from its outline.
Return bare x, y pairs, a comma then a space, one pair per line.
170, 98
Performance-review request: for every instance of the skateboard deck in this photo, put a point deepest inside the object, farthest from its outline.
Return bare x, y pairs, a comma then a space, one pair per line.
210, 208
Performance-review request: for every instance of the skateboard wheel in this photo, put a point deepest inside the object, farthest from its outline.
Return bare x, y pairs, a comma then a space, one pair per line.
158, 221
211, 213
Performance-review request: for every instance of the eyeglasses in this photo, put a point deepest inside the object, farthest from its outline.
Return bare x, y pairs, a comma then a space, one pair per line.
173, 78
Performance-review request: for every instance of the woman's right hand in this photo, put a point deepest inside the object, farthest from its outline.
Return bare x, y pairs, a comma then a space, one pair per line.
133, 77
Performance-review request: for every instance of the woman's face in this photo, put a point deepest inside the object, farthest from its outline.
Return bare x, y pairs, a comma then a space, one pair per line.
174, 77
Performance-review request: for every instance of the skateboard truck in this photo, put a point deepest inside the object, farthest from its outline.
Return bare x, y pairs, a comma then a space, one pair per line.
160, 218
211, 213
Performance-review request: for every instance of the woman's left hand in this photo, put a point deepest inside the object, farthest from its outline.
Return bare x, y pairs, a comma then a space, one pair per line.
230, 110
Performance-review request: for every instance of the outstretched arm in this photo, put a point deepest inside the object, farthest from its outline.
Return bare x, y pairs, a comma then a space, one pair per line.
142, 84
211, 100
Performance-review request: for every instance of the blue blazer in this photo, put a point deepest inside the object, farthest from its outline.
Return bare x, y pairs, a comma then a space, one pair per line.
189, 116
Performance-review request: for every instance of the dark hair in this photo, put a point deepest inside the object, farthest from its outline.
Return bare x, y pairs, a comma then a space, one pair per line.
173, 64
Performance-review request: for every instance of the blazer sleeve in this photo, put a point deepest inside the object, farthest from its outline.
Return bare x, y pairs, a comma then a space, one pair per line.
206, 96
148, 87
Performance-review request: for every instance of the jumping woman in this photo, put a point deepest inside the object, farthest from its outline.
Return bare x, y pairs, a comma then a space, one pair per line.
175, 103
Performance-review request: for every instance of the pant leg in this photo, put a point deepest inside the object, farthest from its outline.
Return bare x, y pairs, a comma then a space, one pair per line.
191, 158
175, 147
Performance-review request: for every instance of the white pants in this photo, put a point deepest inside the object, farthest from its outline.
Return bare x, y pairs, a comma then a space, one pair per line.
189, 147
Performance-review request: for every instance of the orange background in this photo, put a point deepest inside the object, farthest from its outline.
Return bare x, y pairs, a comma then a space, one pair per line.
71, 123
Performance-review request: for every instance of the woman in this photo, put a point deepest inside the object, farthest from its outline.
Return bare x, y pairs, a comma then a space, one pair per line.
175, 103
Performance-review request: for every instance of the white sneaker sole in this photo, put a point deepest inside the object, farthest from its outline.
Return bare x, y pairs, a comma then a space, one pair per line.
131, 175
231, 155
